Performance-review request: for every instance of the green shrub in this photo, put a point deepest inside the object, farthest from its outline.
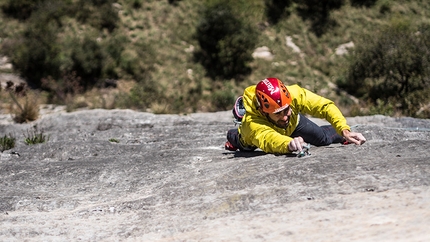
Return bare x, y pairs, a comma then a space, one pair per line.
20, 9
174, 2
46, 49
99, 14
226, 43
7, 142
27, 112
385, 6
88, 60
64, 90
416, 104
51, 11
36, 54
318, 13
223, 99
113, 140
276, 9
141, 96
138, 62
35, 136
363, 3
136, 4
187, 97
392, 66
108, 17
115, 45
40, 54
113, 48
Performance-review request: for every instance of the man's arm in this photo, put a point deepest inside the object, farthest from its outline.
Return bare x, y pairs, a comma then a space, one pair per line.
263, 135
320, 107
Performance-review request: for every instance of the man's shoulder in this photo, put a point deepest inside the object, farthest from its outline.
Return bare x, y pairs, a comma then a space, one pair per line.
250, 89
248, 95
294, 87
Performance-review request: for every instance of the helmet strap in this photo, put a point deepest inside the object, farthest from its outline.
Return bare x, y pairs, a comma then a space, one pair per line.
257, 103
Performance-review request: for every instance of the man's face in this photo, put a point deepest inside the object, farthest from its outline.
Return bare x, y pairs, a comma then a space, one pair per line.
282, 118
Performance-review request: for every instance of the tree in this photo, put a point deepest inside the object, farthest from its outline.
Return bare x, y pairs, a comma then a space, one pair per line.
226, 43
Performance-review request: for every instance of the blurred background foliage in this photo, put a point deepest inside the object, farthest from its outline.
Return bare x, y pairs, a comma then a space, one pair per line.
196, 56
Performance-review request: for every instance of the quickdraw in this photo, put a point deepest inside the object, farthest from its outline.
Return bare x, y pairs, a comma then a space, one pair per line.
305, 151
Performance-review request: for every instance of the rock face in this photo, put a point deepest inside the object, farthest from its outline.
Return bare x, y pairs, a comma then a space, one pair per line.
169, 179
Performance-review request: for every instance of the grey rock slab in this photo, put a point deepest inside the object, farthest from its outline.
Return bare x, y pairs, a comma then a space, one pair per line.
170, 179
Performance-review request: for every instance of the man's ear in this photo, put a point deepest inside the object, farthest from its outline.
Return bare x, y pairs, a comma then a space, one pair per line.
261, 111
258, 106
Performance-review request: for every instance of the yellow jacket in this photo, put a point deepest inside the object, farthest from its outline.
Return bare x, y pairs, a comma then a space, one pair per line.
257, 130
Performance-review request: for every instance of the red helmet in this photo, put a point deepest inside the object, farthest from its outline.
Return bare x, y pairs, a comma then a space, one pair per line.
272, 95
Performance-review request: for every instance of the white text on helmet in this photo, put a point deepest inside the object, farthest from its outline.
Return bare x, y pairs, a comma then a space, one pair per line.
270, 87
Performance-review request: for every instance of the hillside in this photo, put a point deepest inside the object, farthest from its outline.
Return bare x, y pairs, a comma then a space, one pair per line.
153, 45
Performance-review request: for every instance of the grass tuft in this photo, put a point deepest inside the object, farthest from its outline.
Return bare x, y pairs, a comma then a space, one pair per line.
113, 140
35, 136
7, 142
27, 112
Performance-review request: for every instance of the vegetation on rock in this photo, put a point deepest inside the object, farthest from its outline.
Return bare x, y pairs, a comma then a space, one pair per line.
190, 55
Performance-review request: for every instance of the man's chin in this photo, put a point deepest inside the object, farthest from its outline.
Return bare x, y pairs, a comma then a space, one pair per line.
282, 125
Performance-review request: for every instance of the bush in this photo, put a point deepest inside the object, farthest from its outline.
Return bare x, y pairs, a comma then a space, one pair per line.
7, 142
27, 112
136, 4
385, 6
223, 99
174, 2
416, 104
318, 13
226, 43
20, 9
188, 97
276, 9
46, 50
136, 64
393, 67
113, 140
36, 54
142, 96
98, 13
88, 60
363, 3
64, 90
35, 136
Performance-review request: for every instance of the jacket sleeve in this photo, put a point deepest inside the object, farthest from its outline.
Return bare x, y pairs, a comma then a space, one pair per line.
320, 107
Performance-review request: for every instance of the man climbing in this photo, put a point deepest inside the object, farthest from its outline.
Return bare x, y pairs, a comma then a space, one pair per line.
274, 120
